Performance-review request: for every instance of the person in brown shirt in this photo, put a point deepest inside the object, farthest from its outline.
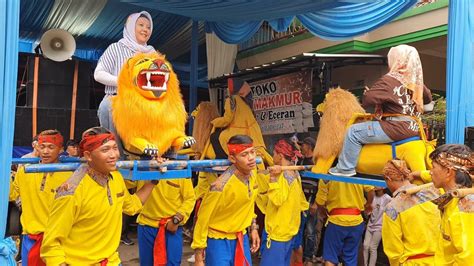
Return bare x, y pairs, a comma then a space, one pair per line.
399, 92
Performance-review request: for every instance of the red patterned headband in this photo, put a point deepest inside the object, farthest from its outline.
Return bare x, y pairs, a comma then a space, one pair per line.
92, 142
56, 139
286, 149
235, 149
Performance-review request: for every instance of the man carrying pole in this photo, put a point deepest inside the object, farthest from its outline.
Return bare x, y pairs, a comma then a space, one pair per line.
36, 192
344, 203
405, 242
227, 211
85, 223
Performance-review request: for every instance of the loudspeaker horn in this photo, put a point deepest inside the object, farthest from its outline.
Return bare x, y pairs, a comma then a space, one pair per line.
58, 45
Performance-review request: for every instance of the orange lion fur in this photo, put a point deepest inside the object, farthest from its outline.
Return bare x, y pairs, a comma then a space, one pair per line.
339, 106
158, 121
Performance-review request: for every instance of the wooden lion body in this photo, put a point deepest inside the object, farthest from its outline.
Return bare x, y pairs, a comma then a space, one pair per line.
342, 109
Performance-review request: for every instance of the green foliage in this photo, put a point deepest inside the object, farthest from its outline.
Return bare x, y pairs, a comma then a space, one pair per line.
438, 115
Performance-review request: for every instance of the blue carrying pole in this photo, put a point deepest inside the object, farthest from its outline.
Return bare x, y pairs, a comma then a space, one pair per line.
345, 179
152, 170
67, 159
170, 165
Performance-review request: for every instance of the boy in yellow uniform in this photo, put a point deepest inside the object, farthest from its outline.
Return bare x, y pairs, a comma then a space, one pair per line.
36, 191
283, 209
344, 203
85, 223
453, 169
227, 211
410, 222
160, 232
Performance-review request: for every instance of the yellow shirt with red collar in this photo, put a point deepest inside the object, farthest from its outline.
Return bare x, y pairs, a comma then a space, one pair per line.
285, 203
334, 195
456, 243
36, 192
169, 197
228, 208
85, 223
410, 227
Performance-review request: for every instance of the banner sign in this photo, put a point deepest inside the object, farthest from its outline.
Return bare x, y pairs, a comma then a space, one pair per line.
283, 104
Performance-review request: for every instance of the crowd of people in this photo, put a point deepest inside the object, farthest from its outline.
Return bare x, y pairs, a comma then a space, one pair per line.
75, 218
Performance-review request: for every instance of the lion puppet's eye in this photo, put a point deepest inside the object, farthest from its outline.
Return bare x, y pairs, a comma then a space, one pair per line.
164, 67
143, 61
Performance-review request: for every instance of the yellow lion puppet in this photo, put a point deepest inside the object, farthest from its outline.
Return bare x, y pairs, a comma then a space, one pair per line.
148, 111
341, 109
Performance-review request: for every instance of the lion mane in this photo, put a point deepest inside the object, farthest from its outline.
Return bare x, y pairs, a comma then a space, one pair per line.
159, 121
339, 107
204, 114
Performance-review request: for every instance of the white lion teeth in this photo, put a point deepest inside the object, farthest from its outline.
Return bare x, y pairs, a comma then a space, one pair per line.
149, 86
148, 75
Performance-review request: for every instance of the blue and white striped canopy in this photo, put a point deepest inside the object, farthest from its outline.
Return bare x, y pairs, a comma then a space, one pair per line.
97, 23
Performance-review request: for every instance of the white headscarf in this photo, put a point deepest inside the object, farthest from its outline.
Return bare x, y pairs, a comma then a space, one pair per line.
405, 66
129, 39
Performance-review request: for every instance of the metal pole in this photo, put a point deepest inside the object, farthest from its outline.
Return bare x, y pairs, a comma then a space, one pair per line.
194, 71
171, 165
67, 159
345, 179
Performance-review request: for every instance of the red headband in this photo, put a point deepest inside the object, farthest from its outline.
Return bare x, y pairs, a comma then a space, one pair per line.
92, 142
235, 149
286, 149
56, 139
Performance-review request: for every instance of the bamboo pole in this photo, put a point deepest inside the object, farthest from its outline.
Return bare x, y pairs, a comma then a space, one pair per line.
35, 97
74, 98
416, 189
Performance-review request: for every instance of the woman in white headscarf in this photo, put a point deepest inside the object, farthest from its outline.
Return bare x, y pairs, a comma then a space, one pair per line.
398, 93
136, 33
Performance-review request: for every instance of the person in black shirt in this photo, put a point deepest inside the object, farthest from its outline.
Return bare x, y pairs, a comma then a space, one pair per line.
307, 147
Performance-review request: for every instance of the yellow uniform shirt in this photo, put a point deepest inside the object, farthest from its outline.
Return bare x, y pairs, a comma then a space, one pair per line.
167, 198
410, 227
204, 183
86, 221
228, 208
334, 194
284, 206
456, 244
36, 191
